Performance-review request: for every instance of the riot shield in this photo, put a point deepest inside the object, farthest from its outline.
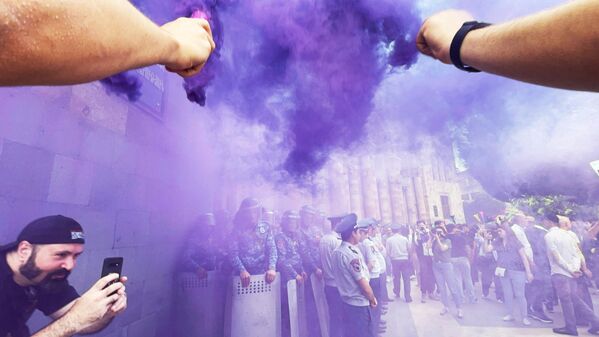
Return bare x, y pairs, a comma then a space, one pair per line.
253, 311
201, 305
297, 309
322, 308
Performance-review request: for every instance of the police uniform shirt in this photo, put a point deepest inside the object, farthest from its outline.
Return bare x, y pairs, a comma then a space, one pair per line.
348, 268
371, 256
289, 261
382, 252
17, 303
327, 246
254, 251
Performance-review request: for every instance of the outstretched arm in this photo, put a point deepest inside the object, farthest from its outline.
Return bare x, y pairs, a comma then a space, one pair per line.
557, 48
70, 41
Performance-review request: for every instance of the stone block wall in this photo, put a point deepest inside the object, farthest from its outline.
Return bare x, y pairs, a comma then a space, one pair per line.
134, 181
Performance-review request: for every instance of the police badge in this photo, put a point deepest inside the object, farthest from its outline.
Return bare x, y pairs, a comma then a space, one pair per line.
261, 229
355, 263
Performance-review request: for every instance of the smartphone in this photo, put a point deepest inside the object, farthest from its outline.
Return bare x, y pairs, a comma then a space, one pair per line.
112, 265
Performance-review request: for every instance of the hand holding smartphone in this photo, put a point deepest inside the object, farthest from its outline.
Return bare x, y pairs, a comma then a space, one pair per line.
112, 265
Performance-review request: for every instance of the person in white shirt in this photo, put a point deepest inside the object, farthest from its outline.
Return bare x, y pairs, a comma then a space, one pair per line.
376, 265
328, 243
519, 223
567, 264
398, 249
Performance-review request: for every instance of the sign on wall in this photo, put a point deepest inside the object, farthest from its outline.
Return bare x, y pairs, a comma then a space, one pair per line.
152, 90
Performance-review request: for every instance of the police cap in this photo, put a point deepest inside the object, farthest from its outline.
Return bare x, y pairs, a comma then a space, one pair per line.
349, 222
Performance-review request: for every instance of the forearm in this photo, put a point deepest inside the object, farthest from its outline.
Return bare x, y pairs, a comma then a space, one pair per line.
288, 269
189, 262
273, 255
237, 264
63, 327
70, 41
560, 261
558, 47
366, 289
583, 261
525, 261
97, 327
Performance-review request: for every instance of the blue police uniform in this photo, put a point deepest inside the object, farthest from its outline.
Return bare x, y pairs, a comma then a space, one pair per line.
289, 260
254, 250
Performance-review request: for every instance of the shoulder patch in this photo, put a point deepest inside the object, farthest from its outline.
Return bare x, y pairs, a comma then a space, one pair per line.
262, 228
355, 264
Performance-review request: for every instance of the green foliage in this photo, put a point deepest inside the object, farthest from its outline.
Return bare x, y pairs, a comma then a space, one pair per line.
538, 206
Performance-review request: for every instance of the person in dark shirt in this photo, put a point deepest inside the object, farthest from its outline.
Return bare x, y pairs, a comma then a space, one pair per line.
423, 247
461, 248
443, 271
33, 275
513, 270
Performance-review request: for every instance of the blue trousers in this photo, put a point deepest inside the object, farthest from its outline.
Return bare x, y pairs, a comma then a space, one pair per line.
335, 311
357, 321
513, 284
446, 279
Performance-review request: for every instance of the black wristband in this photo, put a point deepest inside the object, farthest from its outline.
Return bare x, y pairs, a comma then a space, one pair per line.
456, 44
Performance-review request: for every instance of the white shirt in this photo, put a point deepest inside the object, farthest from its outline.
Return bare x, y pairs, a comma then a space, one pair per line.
372, 256
565, 245
521, 236
326, 247
398, 247
378, 241
348, 269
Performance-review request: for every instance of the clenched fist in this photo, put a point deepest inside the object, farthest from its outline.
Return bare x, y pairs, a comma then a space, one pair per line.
437, 32
194, 45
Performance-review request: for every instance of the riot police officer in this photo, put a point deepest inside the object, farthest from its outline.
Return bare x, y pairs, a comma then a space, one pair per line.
253, 249
289, 261
310, 234
202, 252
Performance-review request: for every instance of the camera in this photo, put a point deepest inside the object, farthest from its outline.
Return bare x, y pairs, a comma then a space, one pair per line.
424, 234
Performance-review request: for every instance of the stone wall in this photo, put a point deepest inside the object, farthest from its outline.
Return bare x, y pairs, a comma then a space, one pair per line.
133, 180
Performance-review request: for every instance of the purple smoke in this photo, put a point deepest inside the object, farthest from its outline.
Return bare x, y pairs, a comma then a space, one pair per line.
125, 84
303, 75
310, 69
195, 87
516, 139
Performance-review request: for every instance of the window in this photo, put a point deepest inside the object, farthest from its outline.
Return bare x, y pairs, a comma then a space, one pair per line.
445, 206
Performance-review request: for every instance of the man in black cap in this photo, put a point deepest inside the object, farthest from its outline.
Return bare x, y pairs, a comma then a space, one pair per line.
33, 275
352, 277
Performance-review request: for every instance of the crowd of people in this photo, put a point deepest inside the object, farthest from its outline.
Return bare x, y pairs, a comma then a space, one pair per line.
532, 264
